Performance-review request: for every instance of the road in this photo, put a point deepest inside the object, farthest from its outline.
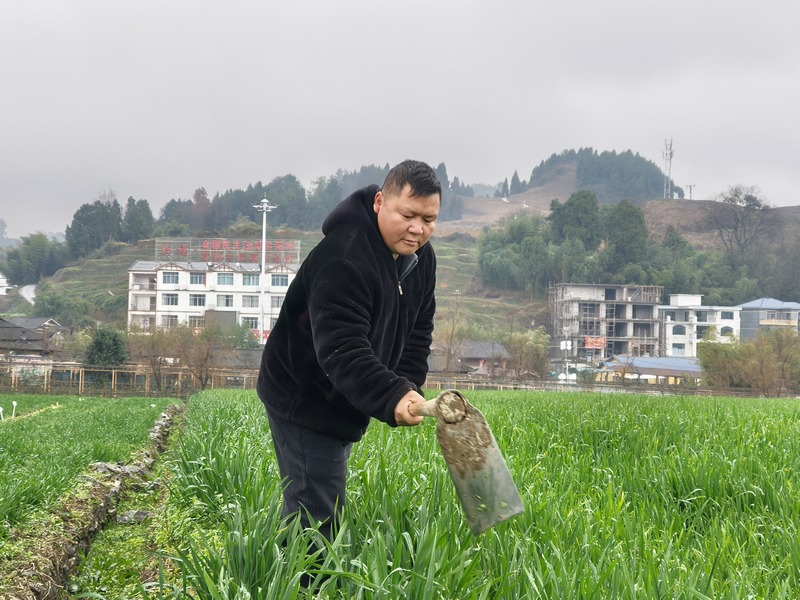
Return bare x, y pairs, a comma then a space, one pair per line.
28, 292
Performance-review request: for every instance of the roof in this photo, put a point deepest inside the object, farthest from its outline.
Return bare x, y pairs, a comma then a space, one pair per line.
16, 338
473, 349
654, 365
771, 304
34, 322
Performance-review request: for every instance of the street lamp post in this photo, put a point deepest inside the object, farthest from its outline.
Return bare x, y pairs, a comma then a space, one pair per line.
263, 207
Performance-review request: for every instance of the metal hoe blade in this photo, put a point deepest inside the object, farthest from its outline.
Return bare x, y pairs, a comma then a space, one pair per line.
483, 482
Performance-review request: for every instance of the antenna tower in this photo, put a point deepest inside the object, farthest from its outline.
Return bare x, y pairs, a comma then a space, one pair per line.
668, 168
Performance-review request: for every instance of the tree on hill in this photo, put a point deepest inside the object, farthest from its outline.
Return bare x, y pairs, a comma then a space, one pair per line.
178, 211
741, 218
626, 236
233, 205
94, 224
37, 256
289, 197
137, 224
517, 186
611, 176
459, 188
578, 217
325, 194
350, 181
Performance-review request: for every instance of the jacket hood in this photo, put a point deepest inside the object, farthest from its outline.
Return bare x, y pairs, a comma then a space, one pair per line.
355, 211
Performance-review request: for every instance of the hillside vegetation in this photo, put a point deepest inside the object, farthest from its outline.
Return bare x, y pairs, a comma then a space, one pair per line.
93, 289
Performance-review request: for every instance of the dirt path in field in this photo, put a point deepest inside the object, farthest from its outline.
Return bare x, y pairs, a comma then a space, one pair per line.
48, 552
31, 414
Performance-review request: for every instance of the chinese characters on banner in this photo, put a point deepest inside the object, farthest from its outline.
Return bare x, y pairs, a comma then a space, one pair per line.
218, 250
595, 342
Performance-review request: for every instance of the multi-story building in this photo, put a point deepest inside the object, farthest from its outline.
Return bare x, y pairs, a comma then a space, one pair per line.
685, 323
767, 313
193, 281
592, 322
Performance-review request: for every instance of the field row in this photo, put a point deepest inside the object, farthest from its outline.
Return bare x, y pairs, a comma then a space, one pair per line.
626, 496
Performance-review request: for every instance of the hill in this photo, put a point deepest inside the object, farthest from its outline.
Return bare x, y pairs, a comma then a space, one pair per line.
100, 282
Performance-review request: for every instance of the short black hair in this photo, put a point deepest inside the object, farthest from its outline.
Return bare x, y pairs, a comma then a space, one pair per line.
420, 176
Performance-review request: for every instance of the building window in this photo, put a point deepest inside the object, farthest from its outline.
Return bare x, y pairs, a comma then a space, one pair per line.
678, 349
280, 279
726, 331
197, 299
250, 322
670, 314
197, 278
273, 321
249, 301
196, 322
169, 299
702, 330
726, 315
679, 330
224, 300
169, 277
169, 320
276, 302
250, 278
702, 316
224, 278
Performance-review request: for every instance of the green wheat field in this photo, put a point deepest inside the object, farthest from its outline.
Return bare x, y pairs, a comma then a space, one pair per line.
627, 496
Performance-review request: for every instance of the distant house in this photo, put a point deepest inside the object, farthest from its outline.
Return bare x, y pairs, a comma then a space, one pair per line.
652, 369
15, 339
40, 324
767, 313
471, 357
686, 323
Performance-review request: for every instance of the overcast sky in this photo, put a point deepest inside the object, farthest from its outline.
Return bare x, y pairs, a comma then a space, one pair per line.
155, 98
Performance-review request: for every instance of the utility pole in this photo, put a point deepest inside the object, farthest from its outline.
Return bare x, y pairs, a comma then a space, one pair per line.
263, 207
690, 186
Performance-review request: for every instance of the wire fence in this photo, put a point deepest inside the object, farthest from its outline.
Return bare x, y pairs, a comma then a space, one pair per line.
128, 380
139, 380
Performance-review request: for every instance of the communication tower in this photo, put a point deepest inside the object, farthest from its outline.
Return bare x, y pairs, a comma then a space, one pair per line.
668, 153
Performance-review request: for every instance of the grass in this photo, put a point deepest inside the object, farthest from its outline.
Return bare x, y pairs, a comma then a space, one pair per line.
52, 440
626, 496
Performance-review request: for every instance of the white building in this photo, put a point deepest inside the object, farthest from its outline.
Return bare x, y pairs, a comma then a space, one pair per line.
685, 323
4, 285
166, 292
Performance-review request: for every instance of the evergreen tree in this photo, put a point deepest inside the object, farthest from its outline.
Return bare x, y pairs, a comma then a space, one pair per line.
517, 186
137, 224
107, 348
94, 224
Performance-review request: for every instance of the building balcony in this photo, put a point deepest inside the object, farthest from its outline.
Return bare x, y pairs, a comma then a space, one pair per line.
777, 323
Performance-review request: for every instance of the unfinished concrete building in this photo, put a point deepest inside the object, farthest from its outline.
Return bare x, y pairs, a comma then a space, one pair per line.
592, 322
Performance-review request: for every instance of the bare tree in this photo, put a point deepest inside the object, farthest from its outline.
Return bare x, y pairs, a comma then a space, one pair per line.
452, 330
197, 350
741, 218
154, 349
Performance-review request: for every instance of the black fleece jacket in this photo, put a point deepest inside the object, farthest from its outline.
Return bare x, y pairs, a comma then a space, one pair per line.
354, 331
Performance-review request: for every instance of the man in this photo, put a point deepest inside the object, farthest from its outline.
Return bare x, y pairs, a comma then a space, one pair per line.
353, 336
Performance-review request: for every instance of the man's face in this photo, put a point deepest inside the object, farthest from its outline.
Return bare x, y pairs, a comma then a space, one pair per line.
406, 222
